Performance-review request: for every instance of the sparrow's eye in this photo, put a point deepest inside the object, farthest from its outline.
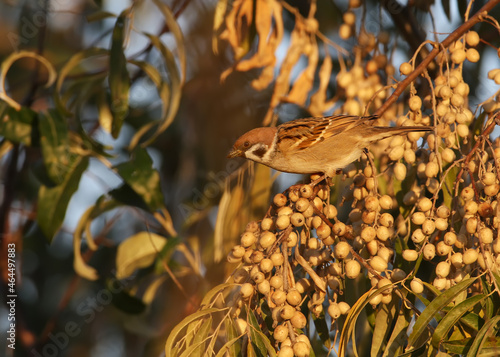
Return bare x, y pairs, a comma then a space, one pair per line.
246, 144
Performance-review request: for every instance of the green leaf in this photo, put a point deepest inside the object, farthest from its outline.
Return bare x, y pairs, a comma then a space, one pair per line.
259, 341
488, 331
211, 296
448, 186
126, 195
200, 339
458, 346
54, 141
233, 346
119, 80
383, 322
472, 320
398, 337
52, 202
17, 125
434, 308
140, 175
136, 252
452, 318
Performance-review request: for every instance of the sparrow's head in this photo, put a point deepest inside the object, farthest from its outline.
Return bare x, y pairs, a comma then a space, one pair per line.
254, 144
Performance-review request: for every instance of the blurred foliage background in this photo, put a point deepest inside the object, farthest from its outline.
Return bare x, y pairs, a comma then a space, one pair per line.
114, 169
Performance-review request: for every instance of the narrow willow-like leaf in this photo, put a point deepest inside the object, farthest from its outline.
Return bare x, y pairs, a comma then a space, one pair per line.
54, 141
448, 186
196, 347
348, 330
487, 332
140, 175
219, 15
176, 31
383, 322
452, 317
81, 267
201, 337
17, 125
164, 92
258, 339
233, 345
398, 337
52, 202
434, 308
176, 334
119, 80
176, 79
7, 63
171, 97
209, 297
73, 62
230, 348
459, 347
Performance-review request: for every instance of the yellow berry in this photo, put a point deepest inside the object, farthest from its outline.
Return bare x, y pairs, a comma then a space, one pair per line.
281, 333
352, 269
246, 290
410, 255
417, 286
378, 264
472, 55
472, 38
342, 250
405, 68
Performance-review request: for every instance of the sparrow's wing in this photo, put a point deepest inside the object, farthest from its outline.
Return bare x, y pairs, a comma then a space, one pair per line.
303, 133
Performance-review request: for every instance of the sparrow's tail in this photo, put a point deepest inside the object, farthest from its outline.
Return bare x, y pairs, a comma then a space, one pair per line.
386, 131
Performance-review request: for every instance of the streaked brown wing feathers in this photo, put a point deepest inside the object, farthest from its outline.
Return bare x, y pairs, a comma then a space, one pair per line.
302, 133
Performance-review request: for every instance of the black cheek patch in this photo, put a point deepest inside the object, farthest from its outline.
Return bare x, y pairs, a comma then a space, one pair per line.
260, 151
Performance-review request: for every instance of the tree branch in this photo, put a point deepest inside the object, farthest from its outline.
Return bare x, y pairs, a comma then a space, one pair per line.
478, 17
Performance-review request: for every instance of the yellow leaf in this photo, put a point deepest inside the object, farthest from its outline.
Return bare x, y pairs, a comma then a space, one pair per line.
137, 251
263, 21
318, 103
7, 63
303, 84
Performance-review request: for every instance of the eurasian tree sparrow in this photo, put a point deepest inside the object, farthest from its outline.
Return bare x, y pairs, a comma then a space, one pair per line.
314, 145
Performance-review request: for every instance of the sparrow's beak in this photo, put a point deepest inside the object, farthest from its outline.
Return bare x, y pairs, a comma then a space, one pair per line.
235, 153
